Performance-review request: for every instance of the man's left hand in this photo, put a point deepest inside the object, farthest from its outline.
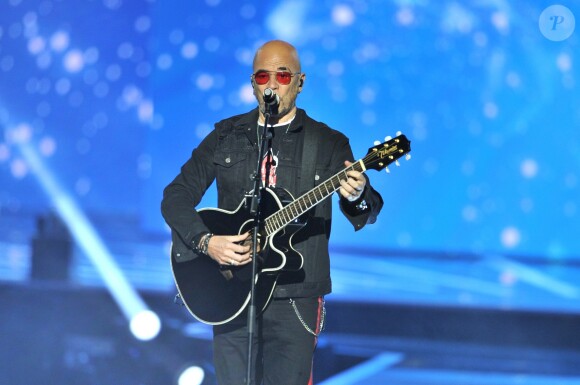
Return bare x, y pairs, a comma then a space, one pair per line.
353, 187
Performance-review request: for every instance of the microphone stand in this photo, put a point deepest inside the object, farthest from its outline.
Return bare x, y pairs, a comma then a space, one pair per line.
255, 209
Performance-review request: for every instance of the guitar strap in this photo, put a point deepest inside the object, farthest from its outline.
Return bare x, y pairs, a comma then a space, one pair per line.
309, 159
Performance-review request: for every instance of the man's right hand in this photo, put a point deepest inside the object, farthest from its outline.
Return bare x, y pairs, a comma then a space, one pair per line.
232, 250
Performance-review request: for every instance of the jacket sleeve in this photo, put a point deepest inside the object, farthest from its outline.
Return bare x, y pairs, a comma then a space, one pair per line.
365, 209
184, 193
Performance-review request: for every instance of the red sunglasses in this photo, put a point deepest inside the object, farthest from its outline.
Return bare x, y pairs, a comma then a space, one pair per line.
282, 77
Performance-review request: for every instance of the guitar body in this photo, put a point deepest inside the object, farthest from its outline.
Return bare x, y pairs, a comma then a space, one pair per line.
215, 294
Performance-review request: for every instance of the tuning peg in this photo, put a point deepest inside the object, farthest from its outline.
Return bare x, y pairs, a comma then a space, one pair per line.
408, 156
399, 133
387, 138
377, 142
387, 170
397, 163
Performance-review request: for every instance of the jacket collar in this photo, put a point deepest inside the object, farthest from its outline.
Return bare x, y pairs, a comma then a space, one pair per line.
250, 118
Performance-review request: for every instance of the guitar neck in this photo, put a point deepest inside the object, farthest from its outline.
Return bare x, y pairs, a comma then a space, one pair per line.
305, 202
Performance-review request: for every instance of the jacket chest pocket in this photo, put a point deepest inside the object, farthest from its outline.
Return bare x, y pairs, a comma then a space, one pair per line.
231, 158
232, 174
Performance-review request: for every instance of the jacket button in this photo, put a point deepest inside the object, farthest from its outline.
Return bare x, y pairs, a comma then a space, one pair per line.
228, 160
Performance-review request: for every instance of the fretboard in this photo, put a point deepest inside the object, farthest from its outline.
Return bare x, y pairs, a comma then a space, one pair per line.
290, 212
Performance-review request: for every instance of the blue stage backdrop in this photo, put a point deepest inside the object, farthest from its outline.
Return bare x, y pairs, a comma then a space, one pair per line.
113, 95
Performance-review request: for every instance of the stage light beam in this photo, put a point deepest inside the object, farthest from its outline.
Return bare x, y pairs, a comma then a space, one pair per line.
144, 324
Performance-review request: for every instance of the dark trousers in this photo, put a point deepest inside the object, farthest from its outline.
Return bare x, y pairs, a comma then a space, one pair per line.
283, 348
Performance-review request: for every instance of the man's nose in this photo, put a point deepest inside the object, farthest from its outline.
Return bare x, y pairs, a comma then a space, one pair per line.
272, 82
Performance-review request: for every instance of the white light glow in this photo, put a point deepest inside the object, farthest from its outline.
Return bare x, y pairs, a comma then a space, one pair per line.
36, 45
74, 61
246, 94
193, 375
143, 24
189, 50
529, 168
510, 237
343, 15
164, 62
501, 21
405, 16
59, 41
204, 82
145, 325
132, 95
47, 146
490, 110
145, 111
287, 19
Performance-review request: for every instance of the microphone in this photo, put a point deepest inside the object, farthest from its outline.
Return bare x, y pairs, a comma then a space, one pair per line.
271, 99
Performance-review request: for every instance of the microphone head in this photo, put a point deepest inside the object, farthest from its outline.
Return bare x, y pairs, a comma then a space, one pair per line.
270, 97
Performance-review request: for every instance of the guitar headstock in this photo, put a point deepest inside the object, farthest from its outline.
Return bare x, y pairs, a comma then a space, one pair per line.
383, 154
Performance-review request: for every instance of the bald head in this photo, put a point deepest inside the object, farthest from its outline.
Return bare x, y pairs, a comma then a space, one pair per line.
277, 50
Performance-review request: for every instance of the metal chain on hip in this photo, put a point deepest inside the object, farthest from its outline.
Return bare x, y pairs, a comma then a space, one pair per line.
322, 318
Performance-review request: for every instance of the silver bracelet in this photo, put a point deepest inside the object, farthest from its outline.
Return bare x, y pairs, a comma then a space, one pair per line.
205, 243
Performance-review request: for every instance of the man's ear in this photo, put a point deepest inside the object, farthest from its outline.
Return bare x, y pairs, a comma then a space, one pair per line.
254, 89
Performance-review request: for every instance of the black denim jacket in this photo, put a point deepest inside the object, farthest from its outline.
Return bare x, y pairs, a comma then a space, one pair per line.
228, 155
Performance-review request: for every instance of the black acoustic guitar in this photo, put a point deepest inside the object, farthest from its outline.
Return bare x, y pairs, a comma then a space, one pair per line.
216, 294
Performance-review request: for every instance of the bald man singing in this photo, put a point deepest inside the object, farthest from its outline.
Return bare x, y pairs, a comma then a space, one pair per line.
298, 153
